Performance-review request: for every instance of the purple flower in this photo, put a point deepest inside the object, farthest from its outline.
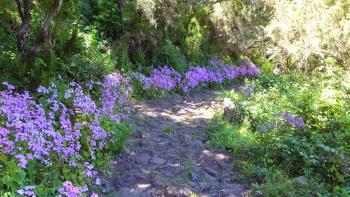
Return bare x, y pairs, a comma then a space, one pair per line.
89, 172
27, 191
248, 90
43, 90
8, 86
248, 69
196, 76
94, 195
292, 119
166, 78
163, 78
69, 190
98, 181
287, 119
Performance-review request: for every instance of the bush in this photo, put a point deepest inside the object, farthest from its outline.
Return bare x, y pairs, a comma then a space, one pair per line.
169, 54
60, 135
293, 127
304, 34
166, 79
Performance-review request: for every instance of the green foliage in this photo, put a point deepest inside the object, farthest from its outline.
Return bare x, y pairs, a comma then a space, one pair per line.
278, 156
169, 129
170, 55
90, 63
267, 66
304, 34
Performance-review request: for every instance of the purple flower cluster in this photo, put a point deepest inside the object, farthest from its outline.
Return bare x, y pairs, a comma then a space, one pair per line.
218, 72
27, 191
248, 90
248, 69
61, 125
25, 123
69, 190
166, 78
196, 76
292, 119
288, 119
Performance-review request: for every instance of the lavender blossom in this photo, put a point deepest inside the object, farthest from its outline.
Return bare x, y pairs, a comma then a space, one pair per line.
292, 119
27, 191
69, 190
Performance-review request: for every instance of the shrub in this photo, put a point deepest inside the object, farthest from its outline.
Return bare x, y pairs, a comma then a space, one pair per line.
292, 125
165, 79
162, 79
169, 54
305, 33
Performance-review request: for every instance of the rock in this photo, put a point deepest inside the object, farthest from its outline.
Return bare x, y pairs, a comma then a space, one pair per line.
142, 159
232, 190
203, 186
141, 176
157, 161
209, 178
229, 109
172, 191
148, 193
126, 192
192, 186
222, 164
198, 143
106, 190
300, 180
211, 171
194, 176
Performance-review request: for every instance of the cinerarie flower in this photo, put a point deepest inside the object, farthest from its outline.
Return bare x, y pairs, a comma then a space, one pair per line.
55, 127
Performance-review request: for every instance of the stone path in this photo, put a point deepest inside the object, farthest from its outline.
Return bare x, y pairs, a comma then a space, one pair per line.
168, 155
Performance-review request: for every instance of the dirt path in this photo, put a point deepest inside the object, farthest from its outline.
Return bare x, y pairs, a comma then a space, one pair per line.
168, 154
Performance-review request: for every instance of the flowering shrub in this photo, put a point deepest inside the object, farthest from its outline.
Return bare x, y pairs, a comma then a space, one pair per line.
59, 134
287, 120
291, 134
164, 78
167, 79
70, 190
196, 76
218, 73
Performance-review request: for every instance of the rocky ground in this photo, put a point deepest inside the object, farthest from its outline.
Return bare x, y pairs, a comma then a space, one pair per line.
168, 154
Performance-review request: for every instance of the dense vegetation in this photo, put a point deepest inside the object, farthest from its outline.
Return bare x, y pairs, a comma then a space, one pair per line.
69, 67
290, 134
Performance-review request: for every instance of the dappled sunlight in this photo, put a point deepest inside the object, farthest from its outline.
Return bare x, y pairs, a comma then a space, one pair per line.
216, 156
146, 98
143, 186
170, 146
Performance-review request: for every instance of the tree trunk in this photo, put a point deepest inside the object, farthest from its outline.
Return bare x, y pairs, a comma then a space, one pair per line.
29, 53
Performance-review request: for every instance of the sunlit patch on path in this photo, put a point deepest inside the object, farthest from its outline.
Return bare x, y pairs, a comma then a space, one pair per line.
168, 155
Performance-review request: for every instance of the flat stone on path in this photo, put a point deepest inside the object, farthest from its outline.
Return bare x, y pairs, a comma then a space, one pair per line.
172, 191
142, 159
157, 161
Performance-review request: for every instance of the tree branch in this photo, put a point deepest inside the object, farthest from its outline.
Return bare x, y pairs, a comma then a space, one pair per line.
24, 31
26, 11
45, 36
19, 8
